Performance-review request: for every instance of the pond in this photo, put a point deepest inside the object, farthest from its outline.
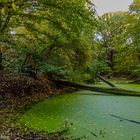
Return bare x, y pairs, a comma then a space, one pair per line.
99, 117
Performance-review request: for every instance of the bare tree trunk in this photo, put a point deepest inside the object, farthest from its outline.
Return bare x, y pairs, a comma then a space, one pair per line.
110, 57
104, 80
113, 90
1, 67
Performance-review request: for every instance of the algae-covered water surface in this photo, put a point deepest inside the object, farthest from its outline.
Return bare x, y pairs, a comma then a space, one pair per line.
94, 116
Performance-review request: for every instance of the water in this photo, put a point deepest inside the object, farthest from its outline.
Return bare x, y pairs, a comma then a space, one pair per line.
88, 115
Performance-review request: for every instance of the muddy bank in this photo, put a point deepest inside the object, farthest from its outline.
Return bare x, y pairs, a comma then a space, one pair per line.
19, 93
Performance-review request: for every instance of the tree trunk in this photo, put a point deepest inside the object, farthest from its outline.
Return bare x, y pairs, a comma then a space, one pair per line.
135, 81
113, 90
110, 56
0, 60
1, 66
104, 80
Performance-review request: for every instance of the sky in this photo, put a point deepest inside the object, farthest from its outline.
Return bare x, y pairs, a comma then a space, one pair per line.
104, 6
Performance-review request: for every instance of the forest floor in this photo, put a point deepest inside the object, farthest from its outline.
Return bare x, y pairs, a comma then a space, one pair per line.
18, 94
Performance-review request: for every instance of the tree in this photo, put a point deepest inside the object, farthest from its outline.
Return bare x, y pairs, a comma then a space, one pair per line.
47, 27
111, 35
117, 42
135, 21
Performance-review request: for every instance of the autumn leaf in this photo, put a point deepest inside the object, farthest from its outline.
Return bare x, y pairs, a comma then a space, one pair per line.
3, 10
14, 6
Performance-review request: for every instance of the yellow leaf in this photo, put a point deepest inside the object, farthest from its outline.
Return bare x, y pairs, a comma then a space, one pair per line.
3, 10
14, 6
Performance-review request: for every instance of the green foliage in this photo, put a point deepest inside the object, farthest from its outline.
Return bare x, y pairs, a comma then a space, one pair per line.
117, 44
52, 70
51, 36
135, 6
106, 39
56, 37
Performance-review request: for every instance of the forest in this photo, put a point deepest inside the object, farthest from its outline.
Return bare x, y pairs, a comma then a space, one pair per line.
52, 47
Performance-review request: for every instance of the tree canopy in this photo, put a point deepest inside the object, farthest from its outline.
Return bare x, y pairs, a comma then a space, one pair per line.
46, 34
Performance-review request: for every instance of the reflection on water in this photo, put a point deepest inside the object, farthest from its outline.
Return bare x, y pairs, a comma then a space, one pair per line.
89, 115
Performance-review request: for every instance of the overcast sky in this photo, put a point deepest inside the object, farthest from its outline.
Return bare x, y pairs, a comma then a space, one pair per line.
104, 6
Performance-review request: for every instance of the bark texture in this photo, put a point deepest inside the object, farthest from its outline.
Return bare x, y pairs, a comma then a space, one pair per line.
112, 90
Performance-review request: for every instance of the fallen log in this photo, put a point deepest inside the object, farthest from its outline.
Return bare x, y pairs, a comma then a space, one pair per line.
135, 82
104, 80
113, 90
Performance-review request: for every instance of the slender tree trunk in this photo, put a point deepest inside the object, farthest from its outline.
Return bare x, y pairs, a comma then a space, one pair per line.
104, 80
1, 67
0, 44
137, 81
110, 57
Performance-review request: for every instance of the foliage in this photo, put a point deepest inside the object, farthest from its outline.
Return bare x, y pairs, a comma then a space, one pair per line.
135, 6
110, 35
46, 33
56, 38
117, 44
